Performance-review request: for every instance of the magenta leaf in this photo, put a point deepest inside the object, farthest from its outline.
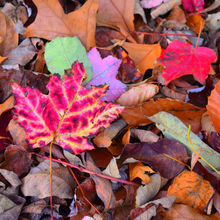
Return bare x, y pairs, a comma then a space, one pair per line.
67, 115
104, 72
193, 5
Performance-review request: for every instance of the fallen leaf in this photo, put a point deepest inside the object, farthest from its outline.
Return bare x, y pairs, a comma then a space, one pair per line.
138, 94
174, 128
117, 15
149, 210
7, 105
151, 3
182, 212
8, 34
22, 77
177, 14
103, 186
39, 178
193, 5
62, 52
2, 59
22, 54
180, 58
213, 107
104, 72
168, 157
62, 116
191, 189
16, 160
112, 169
141, 171
196, 23
144, 55
206, 122
144, 136
52, 22
186, 112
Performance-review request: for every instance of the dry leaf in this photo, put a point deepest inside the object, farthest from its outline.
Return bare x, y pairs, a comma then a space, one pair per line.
177, 14
191, 189
51, 22
138, 94
117, 15
207, 123
196, 23
213, 107
144, 136
188, 113
183, 212
144, 55
8, 34
141, 171
2, 59
8, 104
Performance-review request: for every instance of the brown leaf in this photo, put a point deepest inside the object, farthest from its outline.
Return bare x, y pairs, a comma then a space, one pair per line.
186, 112
141, 171
8, 104
183, 212
51, 22
138, 94
16, 160
177, 14
196, 23
117, 15
191, 189
8, 34
213, 107
144, 55
144, 136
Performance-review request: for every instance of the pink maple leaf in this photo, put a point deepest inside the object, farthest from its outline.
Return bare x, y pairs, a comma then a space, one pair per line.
67, 115
180, 58
193, 5
104, 72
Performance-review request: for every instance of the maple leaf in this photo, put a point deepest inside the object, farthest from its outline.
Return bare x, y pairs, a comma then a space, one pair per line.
193, 5
181, 58
105, 71
67, 115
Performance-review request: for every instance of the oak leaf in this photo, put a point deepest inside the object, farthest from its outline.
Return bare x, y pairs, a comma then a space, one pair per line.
191, 189
67, 115
51, 22
180, 58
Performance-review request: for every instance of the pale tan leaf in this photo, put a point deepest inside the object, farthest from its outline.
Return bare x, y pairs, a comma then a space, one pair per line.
137, 95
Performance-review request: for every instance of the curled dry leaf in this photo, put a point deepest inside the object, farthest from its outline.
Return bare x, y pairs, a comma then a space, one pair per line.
207, 124
144, 136
6, 105
138, 94
51, 22
191, 189
141, 171
8, 34
117, 15
213, 107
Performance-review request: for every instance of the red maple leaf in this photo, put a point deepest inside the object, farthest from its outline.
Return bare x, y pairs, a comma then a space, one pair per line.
180, 58
67, 115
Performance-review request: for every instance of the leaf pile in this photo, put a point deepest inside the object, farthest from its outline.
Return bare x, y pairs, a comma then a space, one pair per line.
109, 109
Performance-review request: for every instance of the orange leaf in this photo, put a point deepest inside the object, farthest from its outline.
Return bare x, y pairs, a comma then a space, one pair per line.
2, 59
51, 22
118, 15
186, 112
8, 34
196, 22
191, 189
213, 107
144, 55
140, 170
138, 94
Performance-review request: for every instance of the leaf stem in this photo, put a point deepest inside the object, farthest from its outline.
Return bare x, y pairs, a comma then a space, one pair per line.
51, 183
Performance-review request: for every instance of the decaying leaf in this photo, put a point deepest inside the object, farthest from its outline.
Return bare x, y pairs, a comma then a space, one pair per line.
196, 23
104, 72
213, 107
68, 115
138, 94
39, 178
191, 189
52, 22
180, 58
193, 5
62, 52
